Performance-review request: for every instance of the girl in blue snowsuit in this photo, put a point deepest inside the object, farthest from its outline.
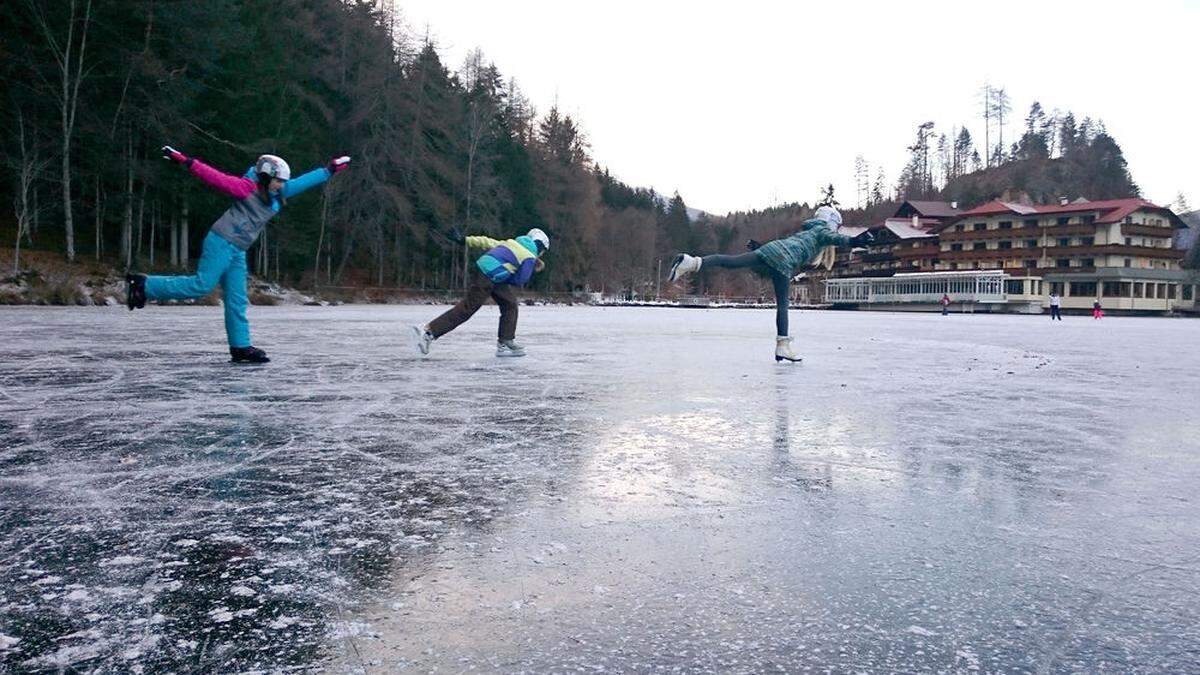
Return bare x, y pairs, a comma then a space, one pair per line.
779, 260
258, 195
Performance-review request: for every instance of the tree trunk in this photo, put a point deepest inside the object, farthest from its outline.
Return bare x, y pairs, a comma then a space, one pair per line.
37, 217
174, 241
153, 229
127, 223
184, 258
321, 238
99, 226
141, 218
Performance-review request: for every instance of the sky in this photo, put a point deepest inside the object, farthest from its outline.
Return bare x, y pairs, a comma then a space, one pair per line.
741, 105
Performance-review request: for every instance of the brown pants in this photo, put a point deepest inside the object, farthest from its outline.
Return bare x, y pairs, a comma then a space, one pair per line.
477, 294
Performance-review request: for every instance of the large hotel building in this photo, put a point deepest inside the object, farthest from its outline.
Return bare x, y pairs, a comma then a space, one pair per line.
1120, 252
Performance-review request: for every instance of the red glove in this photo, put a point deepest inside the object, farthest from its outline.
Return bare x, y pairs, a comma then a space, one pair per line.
338, 163
174, 155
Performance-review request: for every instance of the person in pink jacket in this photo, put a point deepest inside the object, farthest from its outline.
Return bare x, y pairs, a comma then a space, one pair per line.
257, 196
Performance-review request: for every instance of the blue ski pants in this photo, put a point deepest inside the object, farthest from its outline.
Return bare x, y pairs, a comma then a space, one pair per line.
220, 262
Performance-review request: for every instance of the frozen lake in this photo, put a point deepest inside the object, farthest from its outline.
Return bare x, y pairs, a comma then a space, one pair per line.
647, 490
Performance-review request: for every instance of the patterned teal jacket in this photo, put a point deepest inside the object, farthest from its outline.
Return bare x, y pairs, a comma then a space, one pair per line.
791, 254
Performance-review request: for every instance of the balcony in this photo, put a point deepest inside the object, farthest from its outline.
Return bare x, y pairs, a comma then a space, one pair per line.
1147, 230
1063, 252
1019, 232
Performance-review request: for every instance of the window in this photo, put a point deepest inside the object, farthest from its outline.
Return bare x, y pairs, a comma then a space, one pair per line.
1031, 243
1056, 287
1006, 225
1031, 222
1083, 288
1128, 262
1062, 221
979, 246
956, 247
1006, 245
1064, 241
1112, 289
1128, 220
1139, 289
953, 266
1014, 287
1170, 291
1062, 262
1088, 220
1030, 264
1188, 291
1087, 241
960, 228
1087, 262
1129, 241
979, 227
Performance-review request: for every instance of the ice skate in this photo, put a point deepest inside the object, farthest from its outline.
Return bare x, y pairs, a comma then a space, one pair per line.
684, 264
135, 291
509, 348
783, 350
247, 355
422, 338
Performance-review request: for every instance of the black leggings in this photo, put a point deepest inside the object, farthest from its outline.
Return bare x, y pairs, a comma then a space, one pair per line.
778, 281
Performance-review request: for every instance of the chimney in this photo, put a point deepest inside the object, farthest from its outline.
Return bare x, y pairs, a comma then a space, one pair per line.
1064, 201
954, 205
916, 222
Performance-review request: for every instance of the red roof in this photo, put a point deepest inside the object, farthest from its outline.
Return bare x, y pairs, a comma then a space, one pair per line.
1109, 210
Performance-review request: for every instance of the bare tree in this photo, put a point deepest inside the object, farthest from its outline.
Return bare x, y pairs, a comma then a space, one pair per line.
985, 95
29, 164
69, 57
862, 180
1001, 106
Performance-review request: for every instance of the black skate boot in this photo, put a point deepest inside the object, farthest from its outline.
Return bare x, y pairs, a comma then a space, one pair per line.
135, 291
247, 355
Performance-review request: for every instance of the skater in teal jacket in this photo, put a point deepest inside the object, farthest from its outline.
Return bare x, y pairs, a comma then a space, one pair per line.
779, 260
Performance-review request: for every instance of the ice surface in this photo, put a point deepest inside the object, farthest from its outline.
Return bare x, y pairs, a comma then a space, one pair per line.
648, 489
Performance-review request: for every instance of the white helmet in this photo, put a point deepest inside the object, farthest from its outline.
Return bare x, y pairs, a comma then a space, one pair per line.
831, 217
275, 167
537, 235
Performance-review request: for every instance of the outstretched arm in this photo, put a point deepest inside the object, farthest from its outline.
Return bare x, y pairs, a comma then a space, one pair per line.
480, 241
233, 186
314, 178
304, 182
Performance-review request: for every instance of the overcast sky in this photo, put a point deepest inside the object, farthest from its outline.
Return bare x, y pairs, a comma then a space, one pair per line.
739, 105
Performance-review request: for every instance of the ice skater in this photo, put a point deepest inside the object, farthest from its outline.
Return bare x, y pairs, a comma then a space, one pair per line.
779, 260
506, 264
258, 195
1097, 310
945, 304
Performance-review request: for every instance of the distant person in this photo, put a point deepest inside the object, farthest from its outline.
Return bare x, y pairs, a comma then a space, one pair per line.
506, 264
779, 260
1055, 307
1097, 310
258, 195
945, 304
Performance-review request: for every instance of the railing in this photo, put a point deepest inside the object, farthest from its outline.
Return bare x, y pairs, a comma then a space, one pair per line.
920, 287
